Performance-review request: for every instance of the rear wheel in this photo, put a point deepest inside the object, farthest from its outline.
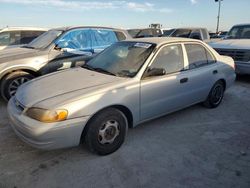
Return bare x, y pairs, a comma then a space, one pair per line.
215, 95
106, 132
12, 81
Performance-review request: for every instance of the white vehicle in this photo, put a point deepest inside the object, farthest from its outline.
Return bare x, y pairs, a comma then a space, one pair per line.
237, 45
16, 36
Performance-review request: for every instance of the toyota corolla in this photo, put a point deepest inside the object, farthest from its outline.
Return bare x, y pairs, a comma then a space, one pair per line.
128, 83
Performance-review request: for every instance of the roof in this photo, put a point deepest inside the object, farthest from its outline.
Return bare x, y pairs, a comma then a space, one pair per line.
190, 28
163, 40
241, 24
146, 28
76, 27
23, 29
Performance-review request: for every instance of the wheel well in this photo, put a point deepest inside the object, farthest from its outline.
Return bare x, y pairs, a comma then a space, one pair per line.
122, 108
224, 83
126, 112
35, 74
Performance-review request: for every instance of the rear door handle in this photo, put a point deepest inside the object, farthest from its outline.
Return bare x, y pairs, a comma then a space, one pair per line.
215, 72
183, 80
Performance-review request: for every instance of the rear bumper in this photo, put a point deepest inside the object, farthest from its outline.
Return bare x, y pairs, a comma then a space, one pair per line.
46, 135
242, 67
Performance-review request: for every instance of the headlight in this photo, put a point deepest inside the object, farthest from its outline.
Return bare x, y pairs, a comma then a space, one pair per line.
47, 116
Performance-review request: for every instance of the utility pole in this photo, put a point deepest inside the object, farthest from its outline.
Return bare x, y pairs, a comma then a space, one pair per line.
218, 17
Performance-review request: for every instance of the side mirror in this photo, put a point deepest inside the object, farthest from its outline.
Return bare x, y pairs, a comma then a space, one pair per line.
154, 72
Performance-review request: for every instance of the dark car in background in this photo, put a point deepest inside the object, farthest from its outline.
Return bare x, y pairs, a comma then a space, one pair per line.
236, 44
194, 33
55, 50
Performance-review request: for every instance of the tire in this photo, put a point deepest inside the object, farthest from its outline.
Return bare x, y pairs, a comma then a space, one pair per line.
215, 96
106, 132
12, 81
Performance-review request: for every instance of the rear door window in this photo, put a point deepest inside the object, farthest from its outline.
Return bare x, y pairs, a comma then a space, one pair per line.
198, 56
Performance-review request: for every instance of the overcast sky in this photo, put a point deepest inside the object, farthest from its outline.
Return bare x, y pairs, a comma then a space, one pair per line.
125, 14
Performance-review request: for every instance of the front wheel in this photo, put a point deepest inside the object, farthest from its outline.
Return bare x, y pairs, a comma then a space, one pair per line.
12, 81
106, 132
215, 95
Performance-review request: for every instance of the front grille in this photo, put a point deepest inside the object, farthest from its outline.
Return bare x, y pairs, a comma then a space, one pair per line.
237, 55
19, 105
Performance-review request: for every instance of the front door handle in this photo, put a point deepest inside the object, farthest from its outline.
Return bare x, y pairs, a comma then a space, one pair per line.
215, 72
183, 80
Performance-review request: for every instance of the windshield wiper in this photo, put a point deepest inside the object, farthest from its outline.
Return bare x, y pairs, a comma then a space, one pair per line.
97, 69
103, 71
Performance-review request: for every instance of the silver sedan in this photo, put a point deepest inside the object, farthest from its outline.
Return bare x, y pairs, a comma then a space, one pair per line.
128, 83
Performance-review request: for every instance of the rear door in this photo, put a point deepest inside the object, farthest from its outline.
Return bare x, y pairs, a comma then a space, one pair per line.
202, 71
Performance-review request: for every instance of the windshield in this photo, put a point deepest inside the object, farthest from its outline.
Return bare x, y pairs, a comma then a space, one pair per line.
239, 32
122, 59
44, 40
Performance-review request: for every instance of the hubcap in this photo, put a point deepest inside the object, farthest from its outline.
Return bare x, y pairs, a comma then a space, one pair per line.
217, 94
108, 132
15, 84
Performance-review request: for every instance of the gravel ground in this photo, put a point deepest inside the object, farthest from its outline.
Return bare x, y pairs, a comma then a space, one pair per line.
195, 147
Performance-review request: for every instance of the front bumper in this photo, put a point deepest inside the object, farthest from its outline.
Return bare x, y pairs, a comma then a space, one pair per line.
46, 135
242, 67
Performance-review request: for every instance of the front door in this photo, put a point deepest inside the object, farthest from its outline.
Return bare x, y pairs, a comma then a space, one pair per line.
167, 93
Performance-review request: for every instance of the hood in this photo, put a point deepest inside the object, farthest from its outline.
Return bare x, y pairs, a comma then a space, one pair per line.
231, 44
70, 81
12, 54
